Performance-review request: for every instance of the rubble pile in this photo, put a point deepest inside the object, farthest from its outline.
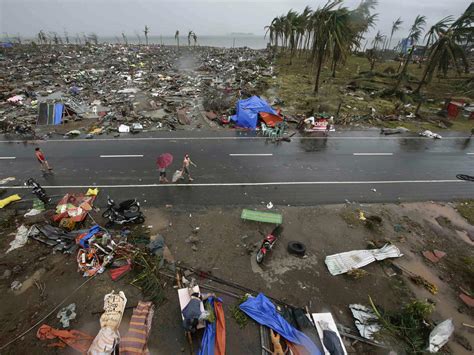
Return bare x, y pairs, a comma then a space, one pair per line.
102, 87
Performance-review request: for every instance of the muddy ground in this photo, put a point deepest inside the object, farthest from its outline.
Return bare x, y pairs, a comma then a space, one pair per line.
225, 248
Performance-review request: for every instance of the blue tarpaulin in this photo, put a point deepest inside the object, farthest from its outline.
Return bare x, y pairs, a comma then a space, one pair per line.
261, 310
209, 337
247, 111
58, 113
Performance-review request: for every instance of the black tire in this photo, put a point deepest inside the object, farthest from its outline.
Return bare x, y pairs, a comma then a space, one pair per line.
296, 248
106, 214
260, 256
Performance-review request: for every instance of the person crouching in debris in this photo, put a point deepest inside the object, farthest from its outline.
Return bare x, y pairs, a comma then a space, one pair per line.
192, 312
42, 160
186, 163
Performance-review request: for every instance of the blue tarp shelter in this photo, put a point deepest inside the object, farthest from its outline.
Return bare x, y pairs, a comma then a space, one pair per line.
58, 113
263, 311
247, 111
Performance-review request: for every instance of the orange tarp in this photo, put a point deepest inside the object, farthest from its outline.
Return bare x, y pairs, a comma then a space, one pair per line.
219, 345
270, 119
74, 338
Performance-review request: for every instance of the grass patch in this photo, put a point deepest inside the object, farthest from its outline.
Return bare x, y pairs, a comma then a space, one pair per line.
294, 84
466, 209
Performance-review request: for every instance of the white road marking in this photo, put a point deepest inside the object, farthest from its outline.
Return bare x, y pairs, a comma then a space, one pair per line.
373, 153
470, 153
122, 156
7, 158
251, 155
282, 183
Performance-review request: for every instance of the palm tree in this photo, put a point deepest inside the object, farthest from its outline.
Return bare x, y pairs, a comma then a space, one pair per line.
331, 33
447, 36
395, 27
413, 36
434, 32
190, 34
176, 37
124, 37
146, 31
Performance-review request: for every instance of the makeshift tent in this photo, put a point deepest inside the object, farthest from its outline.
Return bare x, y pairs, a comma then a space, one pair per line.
52, 114
261, 310
248, 110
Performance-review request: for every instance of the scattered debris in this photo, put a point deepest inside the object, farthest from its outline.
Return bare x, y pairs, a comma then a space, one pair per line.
21, 238
434, 256
429, 134
440, 335
366, 321
66, 315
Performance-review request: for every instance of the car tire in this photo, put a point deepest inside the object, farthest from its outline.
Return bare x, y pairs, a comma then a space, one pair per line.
296, 248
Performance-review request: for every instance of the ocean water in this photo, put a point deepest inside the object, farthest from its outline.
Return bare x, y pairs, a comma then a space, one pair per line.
251, 41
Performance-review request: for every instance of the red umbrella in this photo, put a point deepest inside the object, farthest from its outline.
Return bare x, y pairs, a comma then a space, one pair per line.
164, 160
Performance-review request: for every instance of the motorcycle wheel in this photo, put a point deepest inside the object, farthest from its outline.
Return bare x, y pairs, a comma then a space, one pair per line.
134, 208
140, 220
106, 214
260, 256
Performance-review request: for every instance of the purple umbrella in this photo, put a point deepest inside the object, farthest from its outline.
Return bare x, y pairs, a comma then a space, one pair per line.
164, 160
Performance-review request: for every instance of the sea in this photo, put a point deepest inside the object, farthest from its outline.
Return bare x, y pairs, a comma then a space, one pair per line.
228, 41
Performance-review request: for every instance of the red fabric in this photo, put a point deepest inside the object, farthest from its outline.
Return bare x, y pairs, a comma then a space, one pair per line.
77, 200
116, 273
75, 339
219, 345
40, 156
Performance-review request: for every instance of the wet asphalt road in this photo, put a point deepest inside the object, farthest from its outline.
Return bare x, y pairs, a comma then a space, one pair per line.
240, 169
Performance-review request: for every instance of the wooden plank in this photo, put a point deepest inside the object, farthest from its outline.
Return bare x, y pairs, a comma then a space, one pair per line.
260, 216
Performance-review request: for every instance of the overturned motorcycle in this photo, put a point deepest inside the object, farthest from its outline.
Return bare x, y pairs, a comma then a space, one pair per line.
126, 212
37, 190
268, 243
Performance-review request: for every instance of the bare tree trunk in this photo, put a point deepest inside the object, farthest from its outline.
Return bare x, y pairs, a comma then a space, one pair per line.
318, 72
404, 69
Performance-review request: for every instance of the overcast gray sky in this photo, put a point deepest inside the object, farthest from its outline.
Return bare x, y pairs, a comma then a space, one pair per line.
205, 17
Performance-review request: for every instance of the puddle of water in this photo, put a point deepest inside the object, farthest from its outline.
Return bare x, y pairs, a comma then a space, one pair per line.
431, 211
276, 267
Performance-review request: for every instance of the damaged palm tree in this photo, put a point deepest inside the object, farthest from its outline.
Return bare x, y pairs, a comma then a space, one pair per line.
148, 280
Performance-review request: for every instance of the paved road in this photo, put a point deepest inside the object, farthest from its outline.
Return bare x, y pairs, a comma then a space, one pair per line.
236, 168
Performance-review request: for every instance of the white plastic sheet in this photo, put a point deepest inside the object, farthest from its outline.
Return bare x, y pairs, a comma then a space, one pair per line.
365, 320
21, 238
440, 335
341, 263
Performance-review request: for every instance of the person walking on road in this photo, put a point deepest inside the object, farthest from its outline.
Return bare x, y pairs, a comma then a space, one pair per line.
186, 164
42, 160
163, 178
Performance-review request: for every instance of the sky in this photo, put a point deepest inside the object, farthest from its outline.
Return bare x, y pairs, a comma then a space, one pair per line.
205, 17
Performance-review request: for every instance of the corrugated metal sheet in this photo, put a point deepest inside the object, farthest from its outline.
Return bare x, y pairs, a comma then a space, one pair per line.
341, 263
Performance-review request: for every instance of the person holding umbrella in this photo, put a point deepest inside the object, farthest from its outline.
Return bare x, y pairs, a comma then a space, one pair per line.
163, 161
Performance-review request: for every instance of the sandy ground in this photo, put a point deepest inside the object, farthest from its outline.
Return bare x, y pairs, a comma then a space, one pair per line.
226, 249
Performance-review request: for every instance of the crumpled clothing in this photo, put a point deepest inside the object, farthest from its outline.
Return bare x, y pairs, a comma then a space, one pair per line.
75, 339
